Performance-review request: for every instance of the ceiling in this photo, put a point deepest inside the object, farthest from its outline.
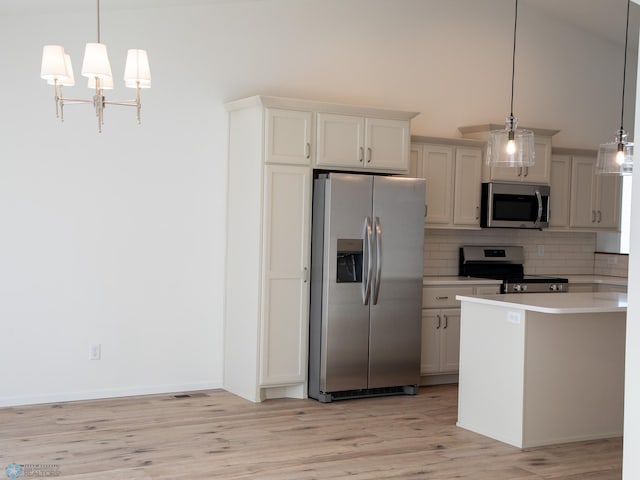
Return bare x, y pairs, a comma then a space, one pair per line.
602, 17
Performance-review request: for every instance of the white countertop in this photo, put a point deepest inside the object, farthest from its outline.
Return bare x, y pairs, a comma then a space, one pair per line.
601, 279
558, 303
453, 280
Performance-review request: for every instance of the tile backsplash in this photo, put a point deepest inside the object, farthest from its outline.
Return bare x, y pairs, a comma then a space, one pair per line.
611, 264
546, 252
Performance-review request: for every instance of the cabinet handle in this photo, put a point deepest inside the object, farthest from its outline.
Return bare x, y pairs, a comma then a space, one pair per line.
442, 298
599, 216
439, 322
305, 275
593, 216
519, 171
361, 159
368, 154
307, 150
526, 171
425, 210
446, 322
477, 212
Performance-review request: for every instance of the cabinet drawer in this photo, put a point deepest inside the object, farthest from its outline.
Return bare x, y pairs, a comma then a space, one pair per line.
488, 290
443, 297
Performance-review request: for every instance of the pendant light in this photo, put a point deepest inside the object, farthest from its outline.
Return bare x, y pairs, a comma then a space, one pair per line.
616, 158
513, 146
56, 68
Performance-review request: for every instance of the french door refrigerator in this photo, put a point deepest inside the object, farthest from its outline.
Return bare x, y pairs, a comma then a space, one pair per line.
366, 285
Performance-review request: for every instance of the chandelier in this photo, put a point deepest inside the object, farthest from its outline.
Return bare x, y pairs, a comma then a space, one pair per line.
512, 146
56, 68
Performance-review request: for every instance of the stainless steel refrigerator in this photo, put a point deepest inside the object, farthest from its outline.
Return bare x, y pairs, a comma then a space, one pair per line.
366, 285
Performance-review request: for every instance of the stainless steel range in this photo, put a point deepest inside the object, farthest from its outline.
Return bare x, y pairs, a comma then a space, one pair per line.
506, 263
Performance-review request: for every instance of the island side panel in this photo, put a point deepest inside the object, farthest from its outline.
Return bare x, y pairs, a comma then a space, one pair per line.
490, 395
574, 377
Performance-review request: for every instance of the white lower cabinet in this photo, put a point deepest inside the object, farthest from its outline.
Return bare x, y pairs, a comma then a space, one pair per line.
441, 330
440, 341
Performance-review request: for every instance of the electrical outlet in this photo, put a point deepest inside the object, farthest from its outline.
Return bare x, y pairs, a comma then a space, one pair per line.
95, 352
541, 250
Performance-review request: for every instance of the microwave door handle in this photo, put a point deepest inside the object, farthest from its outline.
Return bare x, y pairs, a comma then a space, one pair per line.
376, 287
539, 197
366, 287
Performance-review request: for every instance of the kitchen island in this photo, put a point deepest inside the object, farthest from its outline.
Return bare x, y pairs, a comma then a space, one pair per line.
542, 368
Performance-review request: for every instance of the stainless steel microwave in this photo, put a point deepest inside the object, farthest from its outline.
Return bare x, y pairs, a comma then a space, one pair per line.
514, 205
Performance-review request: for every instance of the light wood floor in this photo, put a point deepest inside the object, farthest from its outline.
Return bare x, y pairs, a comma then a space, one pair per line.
215, 435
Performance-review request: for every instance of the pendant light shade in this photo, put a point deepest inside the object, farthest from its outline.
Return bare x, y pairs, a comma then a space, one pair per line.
68, 80
616, 158
513, 146
136, 69
96, 61
53, 65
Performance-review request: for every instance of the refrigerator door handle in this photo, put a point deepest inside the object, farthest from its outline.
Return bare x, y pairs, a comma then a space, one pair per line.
378, 279
366, 286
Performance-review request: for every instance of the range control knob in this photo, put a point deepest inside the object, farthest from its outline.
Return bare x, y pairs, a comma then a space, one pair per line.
553, 287
517, 288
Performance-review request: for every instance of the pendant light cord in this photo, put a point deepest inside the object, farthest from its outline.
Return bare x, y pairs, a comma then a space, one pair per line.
624, 70
513, 58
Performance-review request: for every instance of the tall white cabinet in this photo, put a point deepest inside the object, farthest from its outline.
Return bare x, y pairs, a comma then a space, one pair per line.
273, 149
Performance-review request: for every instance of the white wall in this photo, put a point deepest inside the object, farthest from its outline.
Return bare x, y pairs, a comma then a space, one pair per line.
118, 238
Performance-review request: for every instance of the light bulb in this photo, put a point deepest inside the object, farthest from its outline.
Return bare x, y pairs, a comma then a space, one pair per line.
511, 147
620, 157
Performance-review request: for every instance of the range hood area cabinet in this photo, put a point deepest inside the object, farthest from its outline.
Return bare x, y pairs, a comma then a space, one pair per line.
538, 173
272, 154
580, 199
453, 171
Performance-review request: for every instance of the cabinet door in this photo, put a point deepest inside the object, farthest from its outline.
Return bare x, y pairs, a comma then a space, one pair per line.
430, 353
540, 171
583, 213
468, 178
288, 136
560, 179
607, 206
340, 141
285, 263
450, 341
437, 168
415, 158
387, 144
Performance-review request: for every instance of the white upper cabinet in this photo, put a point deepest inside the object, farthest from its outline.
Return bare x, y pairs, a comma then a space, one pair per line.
355, 143
560, 198
453, 174
538, 173
595, 199
288, 136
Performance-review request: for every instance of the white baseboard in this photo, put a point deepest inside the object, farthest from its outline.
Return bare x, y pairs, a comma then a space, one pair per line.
56, 397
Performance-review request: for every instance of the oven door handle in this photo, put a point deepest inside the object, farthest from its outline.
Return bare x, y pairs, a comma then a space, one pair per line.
539, 197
